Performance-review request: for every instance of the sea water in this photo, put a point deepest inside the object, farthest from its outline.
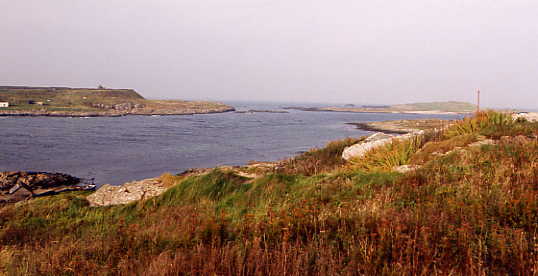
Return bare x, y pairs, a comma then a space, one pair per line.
115, 150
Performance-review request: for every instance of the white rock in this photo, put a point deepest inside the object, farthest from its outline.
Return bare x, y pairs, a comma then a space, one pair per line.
374, 141
359, 150
529, 116
126, 193
406, 168
482, 143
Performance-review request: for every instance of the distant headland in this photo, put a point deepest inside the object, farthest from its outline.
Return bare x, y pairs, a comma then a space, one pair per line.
451, 107
93, 102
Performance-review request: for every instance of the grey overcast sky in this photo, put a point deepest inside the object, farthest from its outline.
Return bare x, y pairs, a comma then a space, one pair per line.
346, 51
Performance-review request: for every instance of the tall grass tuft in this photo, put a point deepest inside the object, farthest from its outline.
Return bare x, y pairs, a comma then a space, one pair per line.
385, 158
483, 120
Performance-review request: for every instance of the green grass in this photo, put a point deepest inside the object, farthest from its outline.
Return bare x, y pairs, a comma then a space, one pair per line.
64, 97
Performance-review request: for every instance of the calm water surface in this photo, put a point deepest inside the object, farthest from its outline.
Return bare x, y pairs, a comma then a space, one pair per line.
116, 150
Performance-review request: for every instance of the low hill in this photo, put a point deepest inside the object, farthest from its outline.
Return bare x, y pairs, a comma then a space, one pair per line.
61, 96
64, 101
451, 106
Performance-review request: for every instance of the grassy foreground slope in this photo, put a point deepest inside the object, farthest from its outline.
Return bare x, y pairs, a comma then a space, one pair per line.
470, 209
63, 101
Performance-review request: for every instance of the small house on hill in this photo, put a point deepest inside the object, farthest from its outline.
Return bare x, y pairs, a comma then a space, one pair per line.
4, 104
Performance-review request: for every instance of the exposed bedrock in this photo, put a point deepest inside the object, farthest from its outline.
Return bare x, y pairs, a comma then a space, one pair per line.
20, 185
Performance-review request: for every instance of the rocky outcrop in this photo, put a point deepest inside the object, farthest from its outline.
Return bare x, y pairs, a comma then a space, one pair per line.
129, 192
358, 150
49, 113
120, 107
21, 185
406, 168
482, 142
374, 141
126, 193
404, 126
120, 111
145, 107
529, 116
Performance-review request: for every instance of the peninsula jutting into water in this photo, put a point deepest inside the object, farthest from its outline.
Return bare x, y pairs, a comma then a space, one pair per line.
93, 102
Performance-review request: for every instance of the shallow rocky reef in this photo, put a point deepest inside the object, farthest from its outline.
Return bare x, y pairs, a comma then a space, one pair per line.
21, 185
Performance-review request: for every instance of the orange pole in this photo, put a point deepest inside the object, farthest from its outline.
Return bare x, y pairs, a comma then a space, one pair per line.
478, 101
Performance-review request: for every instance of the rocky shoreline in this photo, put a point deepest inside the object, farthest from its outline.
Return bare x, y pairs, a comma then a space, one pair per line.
92, 102
109, 113
21, 185
403, 126
371, 127
260, 111
17, 186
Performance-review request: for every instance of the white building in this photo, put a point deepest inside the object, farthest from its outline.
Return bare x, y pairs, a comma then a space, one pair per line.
4, 104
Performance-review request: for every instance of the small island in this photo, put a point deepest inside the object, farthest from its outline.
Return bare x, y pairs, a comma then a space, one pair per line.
451, 107
94, 102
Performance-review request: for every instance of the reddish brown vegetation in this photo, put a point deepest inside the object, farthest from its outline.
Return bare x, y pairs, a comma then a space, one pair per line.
470, 212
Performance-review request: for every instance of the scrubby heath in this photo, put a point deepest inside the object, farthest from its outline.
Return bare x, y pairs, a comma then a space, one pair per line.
64, 101
470, 209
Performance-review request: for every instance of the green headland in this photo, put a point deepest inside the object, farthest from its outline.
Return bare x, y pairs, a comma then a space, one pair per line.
64, 101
